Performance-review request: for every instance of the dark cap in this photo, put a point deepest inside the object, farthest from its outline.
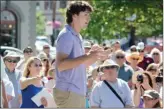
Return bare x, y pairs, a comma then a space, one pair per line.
27, 49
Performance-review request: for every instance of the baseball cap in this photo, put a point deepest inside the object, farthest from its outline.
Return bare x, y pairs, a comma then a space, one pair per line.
151, 94
140, 46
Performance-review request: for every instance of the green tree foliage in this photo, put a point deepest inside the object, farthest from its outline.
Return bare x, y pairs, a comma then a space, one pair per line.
140, 18
40, 23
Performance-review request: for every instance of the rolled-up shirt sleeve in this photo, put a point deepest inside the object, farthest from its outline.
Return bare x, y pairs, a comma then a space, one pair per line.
65, 43
95, 97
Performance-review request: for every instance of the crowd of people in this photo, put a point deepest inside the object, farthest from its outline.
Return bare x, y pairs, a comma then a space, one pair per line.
83, 74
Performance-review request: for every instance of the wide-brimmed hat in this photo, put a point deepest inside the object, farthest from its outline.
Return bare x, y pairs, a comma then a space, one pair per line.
42, 56
109, 62
134, 55
134, 76
151, 94
12, 54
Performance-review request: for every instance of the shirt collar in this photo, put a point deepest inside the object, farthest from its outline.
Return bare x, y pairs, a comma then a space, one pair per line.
71, 29
7, 70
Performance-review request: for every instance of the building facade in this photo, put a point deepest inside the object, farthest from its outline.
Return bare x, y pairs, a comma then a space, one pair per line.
18, 23
47, 8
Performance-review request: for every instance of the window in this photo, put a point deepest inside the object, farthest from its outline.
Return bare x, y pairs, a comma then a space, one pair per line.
63, 3
48, 5
8, 28
37, 4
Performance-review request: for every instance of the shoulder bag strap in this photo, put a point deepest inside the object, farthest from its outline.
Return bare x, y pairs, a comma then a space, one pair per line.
110, 87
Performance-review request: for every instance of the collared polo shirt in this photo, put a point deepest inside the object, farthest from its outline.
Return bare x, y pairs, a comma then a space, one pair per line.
70, 42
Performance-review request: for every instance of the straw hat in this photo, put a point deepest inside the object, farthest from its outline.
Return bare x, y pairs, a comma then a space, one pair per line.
134, 55
109, 62
134, 76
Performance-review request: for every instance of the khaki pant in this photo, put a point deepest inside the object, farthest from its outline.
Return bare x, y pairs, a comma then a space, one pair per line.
67, 99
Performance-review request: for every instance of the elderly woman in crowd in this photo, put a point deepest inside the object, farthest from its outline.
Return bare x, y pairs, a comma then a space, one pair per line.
156, 55
142, 81
31, 83
151, 99
134, 58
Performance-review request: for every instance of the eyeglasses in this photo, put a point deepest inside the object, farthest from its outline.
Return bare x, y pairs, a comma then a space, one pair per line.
120, 57
11, 61
135, 59
140, 50
110, 67
38, 65
155, 53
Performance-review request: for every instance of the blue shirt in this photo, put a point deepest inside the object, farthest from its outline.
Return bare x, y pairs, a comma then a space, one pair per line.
125, 72
103, 97
27, 94
14, 77
69, 42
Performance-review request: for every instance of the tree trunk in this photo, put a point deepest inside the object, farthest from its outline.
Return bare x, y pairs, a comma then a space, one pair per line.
132, 36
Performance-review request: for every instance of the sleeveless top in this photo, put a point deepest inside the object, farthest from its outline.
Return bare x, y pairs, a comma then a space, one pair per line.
27, 94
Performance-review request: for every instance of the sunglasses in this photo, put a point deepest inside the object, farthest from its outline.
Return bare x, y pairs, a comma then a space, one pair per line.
155, 53
120, 57
46, 47
152, 70
135, 59
44, 60
161, 71
148, 99
140, 50
38, 65
28, 51
11, 61
109, 67
133, 50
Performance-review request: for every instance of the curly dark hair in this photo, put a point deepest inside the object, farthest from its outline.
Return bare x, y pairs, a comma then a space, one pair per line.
75, 8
